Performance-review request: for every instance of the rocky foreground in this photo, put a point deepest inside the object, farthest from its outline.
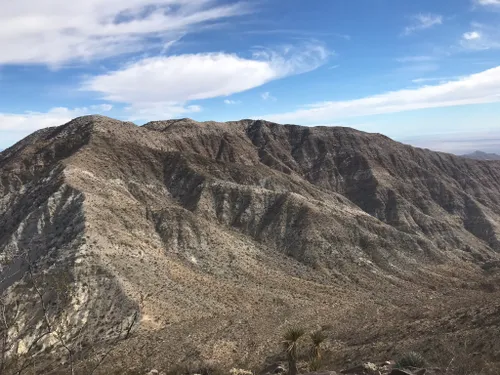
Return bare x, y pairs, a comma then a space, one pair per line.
368, 368
180, 241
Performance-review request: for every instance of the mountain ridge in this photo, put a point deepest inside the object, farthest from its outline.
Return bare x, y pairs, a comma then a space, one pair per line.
247, 220
480, 155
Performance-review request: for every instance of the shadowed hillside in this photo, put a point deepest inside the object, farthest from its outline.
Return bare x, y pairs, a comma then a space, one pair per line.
217, 236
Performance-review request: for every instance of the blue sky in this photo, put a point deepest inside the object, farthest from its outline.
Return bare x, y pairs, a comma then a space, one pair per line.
424, 72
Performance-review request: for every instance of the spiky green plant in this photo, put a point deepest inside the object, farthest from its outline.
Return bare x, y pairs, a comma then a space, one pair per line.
411, 360
290, 344
314, 365
317, 338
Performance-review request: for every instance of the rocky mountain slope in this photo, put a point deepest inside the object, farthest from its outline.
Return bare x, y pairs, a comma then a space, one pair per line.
217, 236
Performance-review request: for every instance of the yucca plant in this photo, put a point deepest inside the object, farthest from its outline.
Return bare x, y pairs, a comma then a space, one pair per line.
411, 360
314, 365
290, 343
317, 339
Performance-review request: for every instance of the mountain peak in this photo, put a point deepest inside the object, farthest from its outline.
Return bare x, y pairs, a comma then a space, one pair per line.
197, 226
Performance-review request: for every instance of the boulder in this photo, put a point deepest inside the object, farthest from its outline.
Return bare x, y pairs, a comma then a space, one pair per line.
364, 369
279, 370
239, 371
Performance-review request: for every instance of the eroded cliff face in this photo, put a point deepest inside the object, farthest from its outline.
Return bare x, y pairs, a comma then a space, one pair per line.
234, 229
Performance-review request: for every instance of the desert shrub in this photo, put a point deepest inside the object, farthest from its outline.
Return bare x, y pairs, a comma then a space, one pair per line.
411, 359
317, 338
290, 343
293, 334
314, 364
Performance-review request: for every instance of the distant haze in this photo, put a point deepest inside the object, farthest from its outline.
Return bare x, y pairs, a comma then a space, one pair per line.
479, 155
459, 143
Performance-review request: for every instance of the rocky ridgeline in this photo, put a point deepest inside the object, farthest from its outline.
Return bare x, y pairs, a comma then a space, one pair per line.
210, 239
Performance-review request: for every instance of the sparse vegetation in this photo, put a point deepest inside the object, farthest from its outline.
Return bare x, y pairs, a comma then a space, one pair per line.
124, 215
317, 338
411, 360
314, 364
50, 293
290, 343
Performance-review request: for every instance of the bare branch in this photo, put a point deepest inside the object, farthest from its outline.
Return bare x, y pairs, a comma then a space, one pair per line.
112, 347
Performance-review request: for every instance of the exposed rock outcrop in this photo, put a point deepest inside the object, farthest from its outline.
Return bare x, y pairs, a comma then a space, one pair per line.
221, 234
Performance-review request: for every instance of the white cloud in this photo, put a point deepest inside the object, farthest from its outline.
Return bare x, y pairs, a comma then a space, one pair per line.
418, 64
267, 96
16, 126
201, 76
175, 80
31, 121
54, 32
488, 2
160, 111
484, 37
422, 22
435, 79
231, 102
472, 35
413, 59
483, 87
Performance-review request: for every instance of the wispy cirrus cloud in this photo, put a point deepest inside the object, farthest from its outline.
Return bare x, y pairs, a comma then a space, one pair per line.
492, 3
160, 110
173, 81
231, 102
422, 22
417, 64
268, 97
483, 87
415, 59
297, 32
435, 79
59, 31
